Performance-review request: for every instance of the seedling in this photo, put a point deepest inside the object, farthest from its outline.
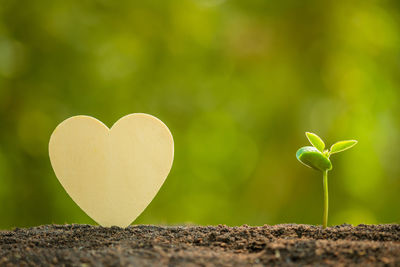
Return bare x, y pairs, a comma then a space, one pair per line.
317, 157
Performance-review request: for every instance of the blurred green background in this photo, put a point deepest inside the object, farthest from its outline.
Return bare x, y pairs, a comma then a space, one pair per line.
237, 82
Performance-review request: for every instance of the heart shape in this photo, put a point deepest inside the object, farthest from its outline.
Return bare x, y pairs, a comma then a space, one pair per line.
112, 174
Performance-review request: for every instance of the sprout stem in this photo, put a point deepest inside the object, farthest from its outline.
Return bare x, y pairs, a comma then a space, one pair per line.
326, 204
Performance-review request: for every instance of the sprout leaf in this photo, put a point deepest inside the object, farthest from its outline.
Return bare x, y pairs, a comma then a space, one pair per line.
313, 158
342, 146
316, 141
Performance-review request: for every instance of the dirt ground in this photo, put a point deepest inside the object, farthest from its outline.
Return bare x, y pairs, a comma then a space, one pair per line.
147, 245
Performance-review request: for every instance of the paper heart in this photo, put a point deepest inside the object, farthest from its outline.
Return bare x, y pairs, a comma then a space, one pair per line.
112, 174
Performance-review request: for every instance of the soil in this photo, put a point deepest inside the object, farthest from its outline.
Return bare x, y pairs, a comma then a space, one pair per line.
146, 245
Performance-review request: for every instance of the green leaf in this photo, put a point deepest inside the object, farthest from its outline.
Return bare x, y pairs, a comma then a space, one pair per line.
313, 158
316, 141
342, 146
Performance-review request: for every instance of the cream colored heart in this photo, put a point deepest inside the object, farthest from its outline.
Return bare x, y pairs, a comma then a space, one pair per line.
112, 174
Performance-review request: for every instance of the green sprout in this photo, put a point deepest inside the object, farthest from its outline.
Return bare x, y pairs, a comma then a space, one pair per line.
317, 157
